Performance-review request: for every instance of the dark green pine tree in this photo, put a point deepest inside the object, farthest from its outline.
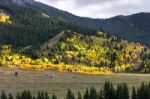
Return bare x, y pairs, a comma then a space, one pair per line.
79, 95
18, 96
134, 94
109, 91
10, 96
148, 88
34, 97
26, 95
54, 96
42, 95
93, 93
100, 95
86, 95
119, 93
141, 91
29, 95
106, 89
46, 95
39, 96
23, 95
3, 95
112, 92
70, 95
125, 91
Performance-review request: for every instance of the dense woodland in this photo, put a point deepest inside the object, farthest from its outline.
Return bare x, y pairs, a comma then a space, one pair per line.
121, 91
32, 27
100, 50
30, 39
133, 27
101, 54
145, 65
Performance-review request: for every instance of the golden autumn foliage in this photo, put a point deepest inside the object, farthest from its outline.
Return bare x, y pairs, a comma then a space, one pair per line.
5, 19
14, 60
97, 51
80, 54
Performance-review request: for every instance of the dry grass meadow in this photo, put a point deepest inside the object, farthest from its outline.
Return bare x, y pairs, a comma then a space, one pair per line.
58, 82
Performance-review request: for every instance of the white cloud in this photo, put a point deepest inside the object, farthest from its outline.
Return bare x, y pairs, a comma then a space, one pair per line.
100, 8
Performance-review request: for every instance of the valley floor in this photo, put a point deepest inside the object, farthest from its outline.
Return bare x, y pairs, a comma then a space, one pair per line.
59, 82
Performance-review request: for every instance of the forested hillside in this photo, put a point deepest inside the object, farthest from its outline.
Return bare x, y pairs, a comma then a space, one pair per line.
31, 27
100, 50
74, 52
31, 39
133, 27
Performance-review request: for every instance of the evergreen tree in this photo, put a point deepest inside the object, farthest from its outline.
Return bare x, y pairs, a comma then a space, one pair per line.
54, 96
125, 91
70, 95
86, 95
93, 93
34, 97
141, 91
3, 95
18, 96
109, 92
119, 93
46, 95
79, 95
10, 96
100, 95
29, 96
42, 95
112, 92
134, 95
39, 96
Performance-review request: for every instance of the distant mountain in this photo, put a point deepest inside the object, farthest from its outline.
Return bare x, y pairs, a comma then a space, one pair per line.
32, 27
134, 27
31, 38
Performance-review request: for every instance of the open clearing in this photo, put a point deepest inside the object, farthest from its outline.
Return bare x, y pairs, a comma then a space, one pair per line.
58, 82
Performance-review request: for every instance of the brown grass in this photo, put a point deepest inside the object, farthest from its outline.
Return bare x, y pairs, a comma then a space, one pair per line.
59, 82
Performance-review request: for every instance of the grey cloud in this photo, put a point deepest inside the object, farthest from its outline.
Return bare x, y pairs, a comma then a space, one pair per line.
90, 2
101, 8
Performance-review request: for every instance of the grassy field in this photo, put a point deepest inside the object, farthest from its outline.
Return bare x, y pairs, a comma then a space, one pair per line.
59, 82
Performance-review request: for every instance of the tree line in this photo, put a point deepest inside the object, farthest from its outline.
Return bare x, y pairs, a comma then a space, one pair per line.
31, 27
100, 50
145, 56
109, 91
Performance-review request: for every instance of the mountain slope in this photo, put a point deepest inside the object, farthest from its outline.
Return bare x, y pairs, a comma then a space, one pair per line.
31, 27
34, 40
134, 27
74, 52
99, 50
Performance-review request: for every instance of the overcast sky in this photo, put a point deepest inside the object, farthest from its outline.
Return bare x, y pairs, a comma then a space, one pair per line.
100, 8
